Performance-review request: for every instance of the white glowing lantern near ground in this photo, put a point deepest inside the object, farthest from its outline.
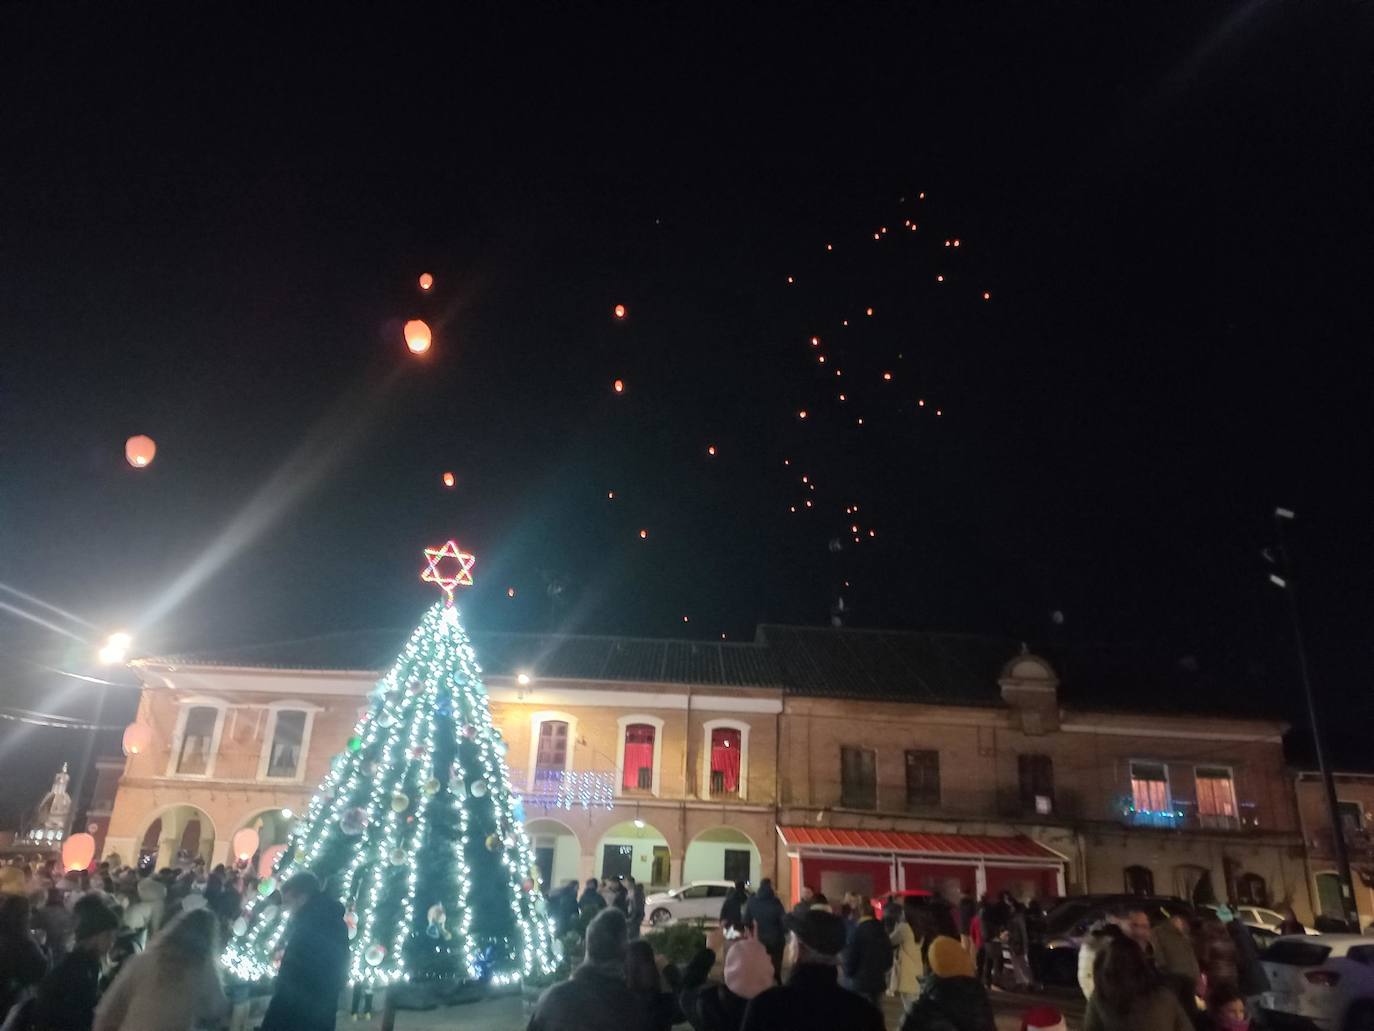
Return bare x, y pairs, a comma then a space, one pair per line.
78, 851
418, 336
138, 737
245, 844
139, 451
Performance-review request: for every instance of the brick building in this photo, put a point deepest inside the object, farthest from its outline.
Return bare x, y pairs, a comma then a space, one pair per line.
837, 758
1355, 804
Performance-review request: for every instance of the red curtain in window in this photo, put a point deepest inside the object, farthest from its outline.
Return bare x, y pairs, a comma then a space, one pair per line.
725, 758
639, 753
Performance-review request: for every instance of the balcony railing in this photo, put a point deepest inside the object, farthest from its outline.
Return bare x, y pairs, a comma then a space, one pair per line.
1182, 815
566, 789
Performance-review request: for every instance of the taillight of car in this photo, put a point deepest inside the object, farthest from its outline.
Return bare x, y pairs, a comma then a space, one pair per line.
1325, 978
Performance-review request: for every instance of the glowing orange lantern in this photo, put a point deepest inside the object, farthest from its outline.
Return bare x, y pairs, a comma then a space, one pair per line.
426, 281
78, 851
417, 336
644, 535
449, 479
510, 592
921, 403
887, 375
987, 296
610, 494
956, 243
939, 279
619, 386
815, 341
829, 247
267, 861
139, 451
711, 449
138, 737
868, 311
245, 843
790, 279
619, 311
801, 414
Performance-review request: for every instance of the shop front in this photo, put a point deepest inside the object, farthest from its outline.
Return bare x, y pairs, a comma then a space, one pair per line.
875, 863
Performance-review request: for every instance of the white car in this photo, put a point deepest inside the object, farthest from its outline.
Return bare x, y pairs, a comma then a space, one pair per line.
699, 900
1258, 916
1323, 982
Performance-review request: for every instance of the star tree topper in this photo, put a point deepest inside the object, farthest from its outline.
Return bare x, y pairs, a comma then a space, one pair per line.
461, 577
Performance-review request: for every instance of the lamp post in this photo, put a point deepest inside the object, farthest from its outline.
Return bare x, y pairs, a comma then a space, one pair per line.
1284, 581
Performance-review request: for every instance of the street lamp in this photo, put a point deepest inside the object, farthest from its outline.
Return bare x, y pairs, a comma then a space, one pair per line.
1284, 581
116, 649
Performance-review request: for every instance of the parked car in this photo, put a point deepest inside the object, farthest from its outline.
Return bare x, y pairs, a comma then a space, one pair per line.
1069, 921
1257, 916
699, 900
1323, 982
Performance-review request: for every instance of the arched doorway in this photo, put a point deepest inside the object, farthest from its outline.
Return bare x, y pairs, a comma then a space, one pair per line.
176, 837
557, 852
634, 849
722, 854
274, 831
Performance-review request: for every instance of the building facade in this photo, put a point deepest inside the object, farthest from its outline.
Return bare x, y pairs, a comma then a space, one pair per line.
838, 759
1355, 807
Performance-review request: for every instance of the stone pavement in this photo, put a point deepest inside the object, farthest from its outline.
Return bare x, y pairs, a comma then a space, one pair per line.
507, 1014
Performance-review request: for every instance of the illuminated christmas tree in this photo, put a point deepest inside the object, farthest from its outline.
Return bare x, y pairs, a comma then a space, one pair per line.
415, 828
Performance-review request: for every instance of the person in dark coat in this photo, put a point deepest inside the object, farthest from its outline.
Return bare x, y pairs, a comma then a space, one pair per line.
764, 913
596, 997
1252, 979
732, 909
563, 908
591, 902
867, 956
638, 905
812, 999
22, 963
305, 994
620, 897
67, 997
952, 999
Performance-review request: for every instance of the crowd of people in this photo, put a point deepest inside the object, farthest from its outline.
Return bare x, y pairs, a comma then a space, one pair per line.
116, 949
841, 962
572, 906
1181, 972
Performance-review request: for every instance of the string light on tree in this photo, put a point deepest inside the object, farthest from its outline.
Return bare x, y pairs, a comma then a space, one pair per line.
424, 779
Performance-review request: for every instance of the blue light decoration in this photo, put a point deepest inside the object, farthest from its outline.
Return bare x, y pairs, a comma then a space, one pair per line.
1151, 817
456, 908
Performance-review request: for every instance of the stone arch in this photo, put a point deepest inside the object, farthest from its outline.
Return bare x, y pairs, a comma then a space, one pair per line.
167, 831
722, 853
636, 849
557, 851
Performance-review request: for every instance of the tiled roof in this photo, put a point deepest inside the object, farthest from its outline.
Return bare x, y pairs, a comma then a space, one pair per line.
887, 664
916, 843
554, 656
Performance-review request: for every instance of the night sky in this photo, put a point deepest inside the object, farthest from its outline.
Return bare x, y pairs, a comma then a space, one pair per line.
212, 221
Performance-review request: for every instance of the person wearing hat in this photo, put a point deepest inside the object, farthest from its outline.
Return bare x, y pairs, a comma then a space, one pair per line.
812, 999
720, 1007
66, 998
953, 999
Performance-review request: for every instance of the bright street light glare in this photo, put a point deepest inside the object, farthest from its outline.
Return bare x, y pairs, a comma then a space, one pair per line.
116, 648
522, 679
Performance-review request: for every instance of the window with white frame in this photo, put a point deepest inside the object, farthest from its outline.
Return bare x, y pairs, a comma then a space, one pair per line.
553, 735
196, 740
725, 759
639, 754
286, 742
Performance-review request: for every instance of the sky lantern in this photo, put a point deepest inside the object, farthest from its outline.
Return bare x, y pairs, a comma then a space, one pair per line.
644, 535
510, 592
138, 738
939, 279
790, 279
711, 449
868, 312
78, 851
610, 494
801, 414
426, 282
887, 376
619, 310
449, 479
987, 296
245, 843
619, 386
417, 336
139, 451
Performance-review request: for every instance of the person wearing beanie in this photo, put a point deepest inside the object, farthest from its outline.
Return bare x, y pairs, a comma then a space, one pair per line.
596, 997
67, 997
953, 999
720, 1007
812, 999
